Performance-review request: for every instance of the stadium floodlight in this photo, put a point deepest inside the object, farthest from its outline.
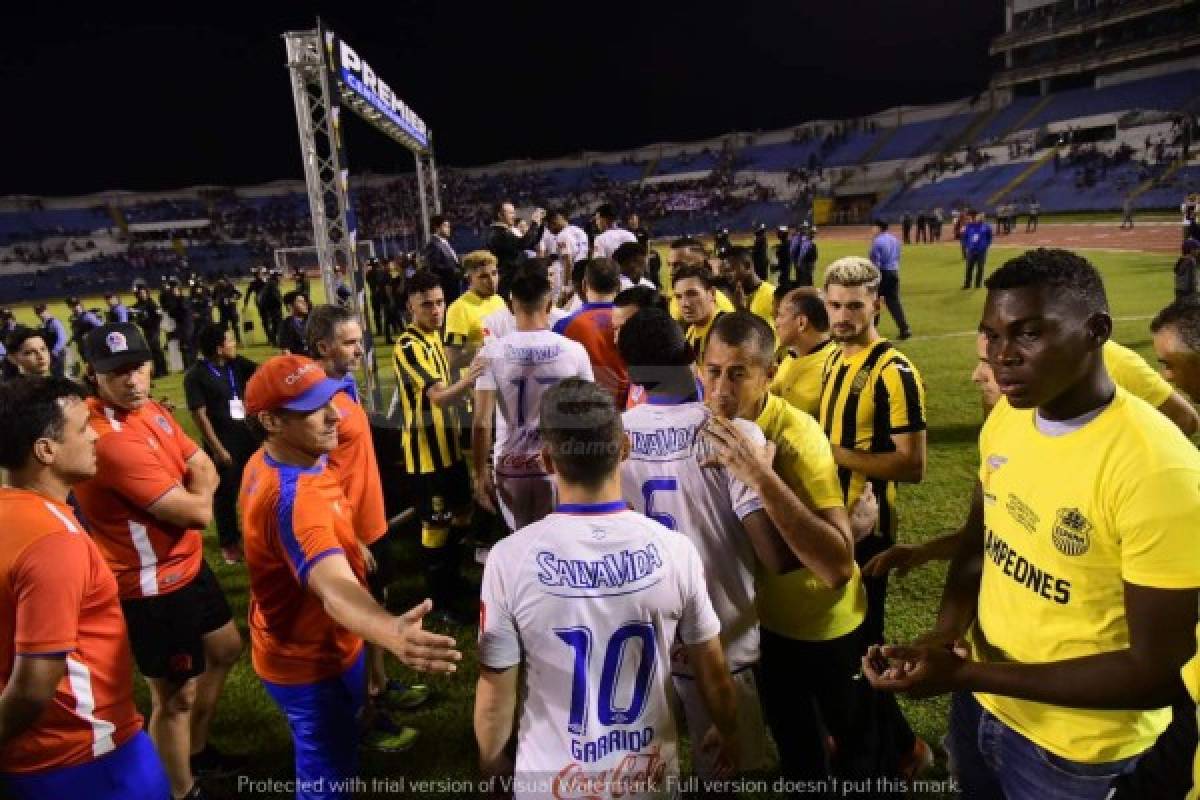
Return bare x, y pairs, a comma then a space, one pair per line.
327, 74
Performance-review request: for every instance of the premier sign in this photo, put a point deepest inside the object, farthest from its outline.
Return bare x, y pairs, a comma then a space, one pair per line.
357, 76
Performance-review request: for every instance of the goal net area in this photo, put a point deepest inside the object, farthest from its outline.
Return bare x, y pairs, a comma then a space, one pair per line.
305, 259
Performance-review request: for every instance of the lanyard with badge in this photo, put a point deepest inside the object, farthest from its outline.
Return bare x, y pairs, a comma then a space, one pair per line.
236, 409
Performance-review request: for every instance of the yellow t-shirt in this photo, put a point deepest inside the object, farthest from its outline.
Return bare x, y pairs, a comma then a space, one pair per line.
697, 337
1131, 372
723, 304
796, 604
762, 303
1191, 679
464, 319
1067, 520
798, 379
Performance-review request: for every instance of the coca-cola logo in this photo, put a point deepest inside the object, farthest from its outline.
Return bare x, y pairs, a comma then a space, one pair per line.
636, 774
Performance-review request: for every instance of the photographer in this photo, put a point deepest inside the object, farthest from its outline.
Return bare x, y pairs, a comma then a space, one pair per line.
146, 314
783, 255
270, 306
509, 248
226, 297
178, 309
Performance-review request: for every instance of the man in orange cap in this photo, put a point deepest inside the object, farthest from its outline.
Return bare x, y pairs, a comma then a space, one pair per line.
310, 609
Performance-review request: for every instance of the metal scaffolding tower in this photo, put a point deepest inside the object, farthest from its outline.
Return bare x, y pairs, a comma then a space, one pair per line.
327, 75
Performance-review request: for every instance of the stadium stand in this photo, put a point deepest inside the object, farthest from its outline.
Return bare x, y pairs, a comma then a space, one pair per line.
1079, 149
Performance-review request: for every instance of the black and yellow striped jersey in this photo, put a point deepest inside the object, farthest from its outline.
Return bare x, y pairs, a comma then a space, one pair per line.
430, 433
866, 398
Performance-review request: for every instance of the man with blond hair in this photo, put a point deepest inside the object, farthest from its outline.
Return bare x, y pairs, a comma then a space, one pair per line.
464, 317
873, 411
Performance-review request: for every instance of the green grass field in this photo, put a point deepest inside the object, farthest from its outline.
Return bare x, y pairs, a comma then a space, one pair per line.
943, 318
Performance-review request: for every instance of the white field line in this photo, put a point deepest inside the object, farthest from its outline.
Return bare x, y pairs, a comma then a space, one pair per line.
959, 334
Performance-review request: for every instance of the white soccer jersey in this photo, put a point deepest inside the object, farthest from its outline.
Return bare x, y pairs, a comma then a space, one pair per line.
663, 479
548, 244
576, 239
520, 367
502, 322
591, 598
607, 243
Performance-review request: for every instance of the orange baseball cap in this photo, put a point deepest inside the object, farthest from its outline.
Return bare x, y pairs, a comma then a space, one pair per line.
295, 383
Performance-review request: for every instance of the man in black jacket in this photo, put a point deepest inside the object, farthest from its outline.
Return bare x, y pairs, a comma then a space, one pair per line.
291, 330
270, 306
783, 255
225, 296
509, 248
377, 280
441, 259
174, 306
759, 253
149, 319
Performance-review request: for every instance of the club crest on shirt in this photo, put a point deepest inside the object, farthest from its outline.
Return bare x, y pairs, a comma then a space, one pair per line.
860, 382
1072, 532
162, 423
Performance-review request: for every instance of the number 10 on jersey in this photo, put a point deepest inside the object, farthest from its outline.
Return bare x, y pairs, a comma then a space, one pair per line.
579, 639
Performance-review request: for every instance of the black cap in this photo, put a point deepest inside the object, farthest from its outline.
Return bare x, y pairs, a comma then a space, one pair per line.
115, 345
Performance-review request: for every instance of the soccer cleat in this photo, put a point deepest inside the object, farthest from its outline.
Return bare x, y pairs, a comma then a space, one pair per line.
388, 736
399, 696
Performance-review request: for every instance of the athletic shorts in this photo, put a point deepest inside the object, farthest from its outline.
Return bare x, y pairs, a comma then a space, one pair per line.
441, 493
524, 499
324, 720
131, 772
751, 727
166, 631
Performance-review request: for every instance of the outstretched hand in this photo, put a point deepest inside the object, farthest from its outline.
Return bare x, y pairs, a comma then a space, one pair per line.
420, 649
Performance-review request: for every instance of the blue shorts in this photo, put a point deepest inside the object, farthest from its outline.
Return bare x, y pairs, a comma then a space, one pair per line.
323, 718
131, 772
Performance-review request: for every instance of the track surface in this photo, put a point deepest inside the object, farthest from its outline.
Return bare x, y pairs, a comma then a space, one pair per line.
1154, 237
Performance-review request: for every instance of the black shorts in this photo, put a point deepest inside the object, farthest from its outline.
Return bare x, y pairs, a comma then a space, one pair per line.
166, 632
441, 493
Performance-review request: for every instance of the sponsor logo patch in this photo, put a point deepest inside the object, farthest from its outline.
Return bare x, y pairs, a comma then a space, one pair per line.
1025, 516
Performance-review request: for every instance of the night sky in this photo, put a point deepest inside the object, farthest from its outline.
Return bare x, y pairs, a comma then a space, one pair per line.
194, 95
